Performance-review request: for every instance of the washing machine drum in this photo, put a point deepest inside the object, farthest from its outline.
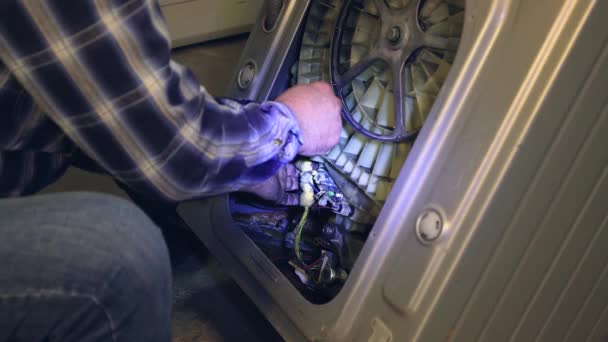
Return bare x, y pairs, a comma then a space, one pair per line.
387, 60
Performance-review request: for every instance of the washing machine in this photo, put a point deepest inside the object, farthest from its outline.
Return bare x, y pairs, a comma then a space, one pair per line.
467, 199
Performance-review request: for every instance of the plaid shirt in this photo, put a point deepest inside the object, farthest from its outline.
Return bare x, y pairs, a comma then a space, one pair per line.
94, 78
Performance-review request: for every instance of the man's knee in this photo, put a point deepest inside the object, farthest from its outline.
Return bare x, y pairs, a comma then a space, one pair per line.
85, 237
88, 244
123, 238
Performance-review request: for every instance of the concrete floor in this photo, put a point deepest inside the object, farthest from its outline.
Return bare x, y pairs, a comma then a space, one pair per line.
208, 305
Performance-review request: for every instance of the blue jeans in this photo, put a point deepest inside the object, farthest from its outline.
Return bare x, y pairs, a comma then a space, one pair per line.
82, 267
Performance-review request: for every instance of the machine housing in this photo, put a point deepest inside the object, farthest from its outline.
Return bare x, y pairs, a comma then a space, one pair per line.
511, 159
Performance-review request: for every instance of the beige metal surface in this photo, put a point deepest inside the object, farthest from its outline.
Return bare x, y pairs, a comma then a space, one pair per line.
513, 156
522, 184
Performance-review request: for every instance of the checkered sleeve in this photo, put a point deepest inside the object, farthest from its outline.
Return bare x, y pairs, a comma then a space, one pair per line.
102, 70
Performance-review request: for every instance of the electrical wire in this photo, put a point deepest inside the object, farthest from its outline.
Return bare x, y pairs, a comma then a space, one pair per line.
299, 229
314, 265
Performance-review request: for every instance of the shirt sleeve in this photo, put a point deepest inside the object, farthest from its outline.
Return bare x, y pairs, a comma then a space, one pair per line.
102, 70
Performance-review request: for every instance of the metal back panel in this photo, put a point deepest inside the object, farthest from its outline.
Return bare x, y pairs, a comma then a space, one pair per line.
513, 156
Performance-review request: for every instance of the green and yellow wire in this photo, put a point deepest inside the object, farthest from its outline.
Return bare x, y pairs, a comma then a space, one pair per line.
299, 229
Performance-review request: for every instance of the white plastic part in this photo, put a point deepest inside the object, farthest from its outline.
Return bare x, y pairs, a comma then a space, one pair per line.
382, 168
334, 153
342, 159
429, 56
348, 168
428, 7
372, 97
364, 179
350, 101
356, 174
368, 156
386, 116
372, 185
355, 144
441, 13
344, 134
357, 115
307, 197
305, 166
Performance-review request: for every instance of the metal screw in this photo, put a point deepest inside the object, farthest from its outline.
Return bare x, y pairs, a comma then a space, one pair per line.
429, 226
394, 34
246, 75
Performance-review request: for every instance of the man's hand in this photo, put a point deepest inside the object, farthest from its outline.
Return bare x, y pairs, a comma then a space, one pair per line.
282, 188
318, 111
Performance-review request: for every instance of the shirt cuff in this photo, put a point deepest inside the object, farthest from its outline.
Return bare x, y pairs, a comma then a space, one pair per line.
293, 141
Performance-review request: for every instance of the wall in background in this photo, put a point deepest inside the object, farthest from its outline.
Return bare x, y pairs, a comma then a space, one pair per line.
194, 21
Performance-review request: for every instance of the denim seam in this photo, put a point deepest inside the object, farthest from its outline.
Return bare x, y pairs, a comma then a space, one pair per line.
48, 293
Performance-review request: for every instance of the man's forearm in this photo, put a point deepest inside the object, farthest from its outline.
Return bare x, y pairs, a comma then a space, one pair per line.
102, 71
